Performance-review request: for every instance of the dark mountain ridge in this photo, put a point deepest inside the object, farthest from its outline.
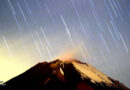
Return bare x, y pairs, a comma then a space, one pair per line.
62, 75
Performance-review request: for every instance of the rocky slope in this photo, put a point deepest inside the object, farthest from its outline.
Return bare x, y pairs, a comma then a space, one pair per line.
63, 75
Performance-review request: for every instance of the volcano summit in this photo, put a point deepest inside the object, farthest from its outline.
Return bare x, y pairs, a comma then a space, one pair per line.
63, 75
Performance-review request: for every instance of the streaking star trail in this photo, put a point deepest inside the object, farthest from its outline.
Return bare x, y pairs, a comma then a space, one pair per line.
96, 31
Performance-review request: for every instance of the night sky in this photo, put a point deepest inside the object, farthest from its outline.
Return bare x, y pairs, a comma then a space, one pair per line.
95, 31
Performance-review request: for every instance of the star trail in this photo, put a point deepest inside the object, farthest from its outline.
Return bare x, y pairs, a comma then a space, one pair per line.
33, 31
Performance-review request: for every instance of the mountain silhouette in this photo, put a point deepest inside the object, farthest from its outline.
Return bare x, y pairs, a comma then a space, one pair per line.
63, 75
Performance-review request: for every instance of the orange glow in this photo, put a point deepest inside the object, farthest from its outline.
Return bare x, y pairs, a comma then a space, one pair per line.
70, 54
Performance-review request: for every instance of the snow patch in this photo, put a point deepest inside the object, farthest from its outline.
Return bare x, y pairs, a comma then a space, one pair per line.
91, 72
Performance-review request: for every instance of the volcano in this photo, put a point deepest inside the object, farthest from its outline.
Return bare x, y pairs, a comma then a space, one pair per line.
63, 75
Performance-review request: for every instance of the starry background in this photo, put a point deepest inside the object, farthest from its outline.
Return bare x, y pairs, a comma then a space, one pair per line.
33, 31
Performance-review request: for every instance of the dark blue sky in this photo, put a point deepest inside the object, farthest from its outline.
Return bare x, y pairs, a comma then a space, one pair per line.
34, 31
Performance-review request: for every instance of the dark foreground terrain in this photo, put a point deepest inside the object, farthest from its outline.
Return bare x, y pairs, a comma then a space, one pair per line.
63, 75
